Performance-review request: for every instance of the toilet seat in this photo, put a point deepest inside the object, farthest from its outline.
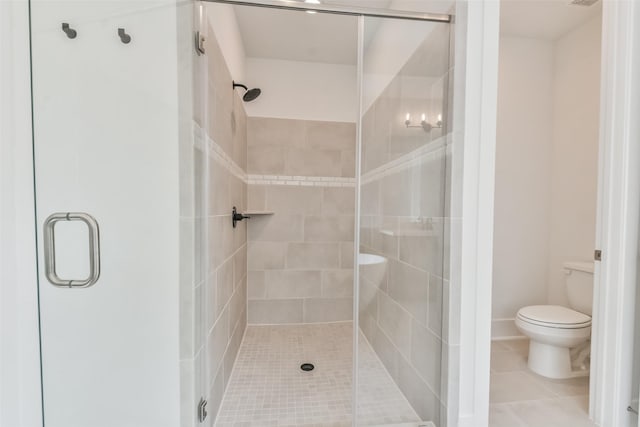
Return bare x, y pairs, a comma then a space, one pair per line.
554, 316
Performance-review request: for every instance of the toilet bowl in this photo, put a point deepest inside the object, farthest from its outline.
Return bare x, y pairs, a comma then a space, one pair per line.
554, 330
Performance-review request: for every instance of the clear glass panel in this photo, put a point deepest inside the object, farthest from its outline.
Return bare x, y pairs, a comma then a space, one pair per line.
286, 159
402, 279
442, 7
111, 105
634, 405
152, 141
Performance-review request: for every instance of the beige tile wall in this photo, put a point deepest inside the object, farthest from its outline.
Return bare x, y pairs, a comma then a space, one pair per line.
300, 147
402, 219
218, 300
301, 257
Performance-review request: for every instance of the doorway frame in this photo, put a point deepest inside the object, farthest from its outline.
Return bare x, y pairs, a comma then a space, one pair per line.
617, 216
617, 220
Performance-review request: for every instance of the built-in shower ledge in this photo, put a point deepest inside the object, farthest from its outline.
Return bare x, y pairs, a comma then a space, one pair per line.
259, 213
421, 424
408, 233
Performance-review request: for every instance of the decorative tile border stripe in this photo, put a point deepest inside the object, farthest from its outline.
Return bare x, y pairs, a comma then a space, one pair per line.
406, 161
204, 143
309, 181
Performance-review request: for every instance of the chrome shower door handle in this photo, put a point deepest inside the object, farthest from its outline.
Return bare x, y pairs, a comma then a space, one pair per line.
50, 250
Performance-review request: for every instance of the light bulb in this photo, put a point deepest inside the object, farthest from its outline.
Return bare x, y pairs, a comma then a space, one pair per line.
424, 117
312, 2
408, 117
439, 117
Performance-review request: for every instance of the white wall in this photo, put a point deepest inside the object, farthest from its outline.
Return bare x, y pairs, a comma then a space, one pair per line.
225, 25
388, 51
290, 89
472, 195
19, 348
523, 173
302, 90
394, 42
433, 6
575, 152
312, 90
546, 167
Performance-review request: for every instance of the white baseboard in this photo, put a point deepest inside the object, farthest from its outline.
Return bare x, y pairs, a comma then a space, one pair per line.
504, 329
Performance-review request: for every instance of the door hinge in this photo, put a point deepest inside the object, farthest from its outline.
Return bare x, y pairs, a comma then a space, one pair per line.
597, 255
202, 410
199, 42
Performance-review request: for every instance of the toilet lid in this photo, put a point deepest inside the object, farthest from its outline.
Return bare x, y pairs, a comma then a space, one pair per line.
554, 316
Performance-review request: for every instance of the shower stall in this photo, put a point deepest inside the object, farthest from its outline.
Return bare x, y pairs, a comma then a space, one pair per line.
242, 212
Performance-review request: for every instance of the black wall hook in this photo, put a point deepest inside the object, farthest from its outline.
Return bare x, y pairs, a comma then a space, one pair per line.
70, 32
124, 37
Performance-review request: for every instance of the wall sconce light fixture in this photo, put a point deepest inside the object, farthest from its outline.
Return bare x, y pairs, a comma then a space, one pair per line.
424, 124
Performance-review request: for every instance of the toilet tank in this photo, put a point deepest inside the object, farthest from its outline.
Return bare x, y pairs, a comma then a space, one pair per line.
579, 281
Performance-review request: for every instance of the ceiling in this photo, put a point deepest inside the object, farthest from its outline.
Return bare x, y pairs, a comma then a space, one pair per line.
328, 38
431, 59
376, 4
298, 36
543, 19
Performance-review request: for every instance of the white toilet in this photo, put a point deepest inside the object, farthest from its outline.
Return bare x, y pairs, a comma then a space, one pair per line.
554, 329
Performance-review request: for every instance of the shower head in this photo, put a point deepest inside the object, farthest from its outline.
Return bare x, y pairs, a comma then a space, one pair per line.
249, 94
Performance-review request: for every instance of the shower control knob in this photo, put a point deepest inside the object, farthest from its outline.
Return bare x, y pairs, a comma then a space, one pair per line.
237, 216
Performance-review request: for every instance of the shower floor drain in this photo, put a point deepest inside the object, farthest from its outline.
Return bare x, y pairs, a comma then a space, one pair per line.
307, 367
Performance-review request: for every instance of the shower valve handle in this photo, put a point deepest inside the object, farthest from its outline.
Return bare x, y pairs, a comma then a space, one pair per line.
237, 216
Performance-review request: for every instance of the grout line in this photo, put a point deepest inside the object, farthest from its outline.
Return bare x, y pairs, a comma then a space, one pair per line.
545, 399
204, 142
393, 381
224, 308
418, 374
300, 324
298, 412
538, 381
411, 316
317, 181
407, 160
509, 409
233, 366
541, 383
235, 288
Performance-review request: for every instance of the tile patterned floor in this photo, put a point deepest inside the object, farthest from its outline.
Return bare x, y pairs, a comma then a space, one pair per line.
267, 387
520, 398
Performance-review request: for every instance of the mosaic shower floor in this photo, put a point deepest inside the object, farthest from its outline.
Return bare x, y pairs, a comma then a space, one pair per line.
268, 388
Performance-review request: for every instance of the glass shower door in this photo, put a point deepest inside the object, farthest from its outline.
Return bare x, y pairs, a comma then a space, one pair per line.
403, 195
634, 405
105, 108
